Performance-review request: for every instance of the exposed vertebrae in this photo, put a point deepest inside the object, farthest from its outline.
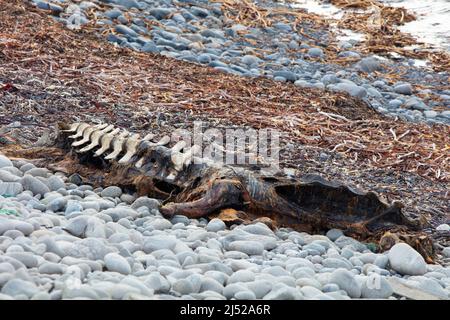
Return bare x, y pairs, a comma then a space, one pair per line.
119, 145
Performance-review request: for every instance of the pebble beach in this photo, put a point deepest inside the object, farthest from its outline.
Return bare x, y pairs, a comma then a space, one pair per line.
62, 240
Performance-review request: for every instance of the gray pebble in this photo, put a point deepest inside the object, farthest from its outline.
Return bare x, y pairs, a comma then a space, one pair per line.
346, 281
117, 263
34, 185
112, 192
215, 225
405, 260
247, 247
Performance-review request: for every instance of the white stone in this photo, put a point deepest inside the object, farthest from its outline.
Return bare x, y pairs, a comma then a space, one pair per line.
405, 260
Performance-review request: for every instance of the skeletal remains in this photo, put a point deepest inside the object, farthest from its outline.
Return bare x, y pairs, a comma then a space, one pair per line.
237, 194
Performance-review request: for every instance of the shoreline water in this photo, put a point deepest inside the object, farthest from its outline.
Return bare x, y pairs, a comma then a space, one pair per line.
430, 26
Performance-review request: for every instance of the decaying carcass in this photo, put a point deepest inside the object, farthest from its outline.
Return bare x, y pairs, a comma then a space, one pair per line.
200, 187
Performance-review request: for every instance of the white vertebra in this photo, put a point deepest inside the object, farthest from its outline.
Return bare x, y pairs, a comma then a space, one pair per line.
87, 134
181, 159
118, 144
79, 131
105, 142
131, 146
95, 138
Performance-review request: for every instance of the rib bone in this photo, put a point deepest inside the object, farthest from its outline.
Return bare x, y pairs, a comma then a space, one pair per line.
105, 142
87, 134
95, 138
131, 147
118, 144
79, 131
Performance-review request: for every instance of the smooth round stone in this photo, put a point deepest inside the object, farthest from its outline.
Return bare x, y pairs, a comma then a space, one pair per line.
369, 64
336, 263
344, 241
38, 172
405, 260
158, 242
395, 103
50, 256
315, 52
51, 268
429, 285
177, 219
121, 212
41, 296
352, 89
310, 292
204, 58
404, 88
160, 13
334, 234
346, 281
308, 282
117, 263
258, 228
250, 60
245, 295
381, 261
247, 247
230, 290
314, 247
10, 188
6, 267
127, 198
145, 202
113, 13
415, 104
284, 293
27, 258
7, 176
220, 277
446, 252
13, 234
280, 79
183, 286
259, 287
15, 287
73, 206
288, 75
79, 292
157, 283
77, 226
303, 272
160, 224
209, 284
111, 192
330, 287
34, 185
430, 114
276, 271
241, 276
215, 225
26, 167
5, 162
55, 183
57, 204
376, 287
